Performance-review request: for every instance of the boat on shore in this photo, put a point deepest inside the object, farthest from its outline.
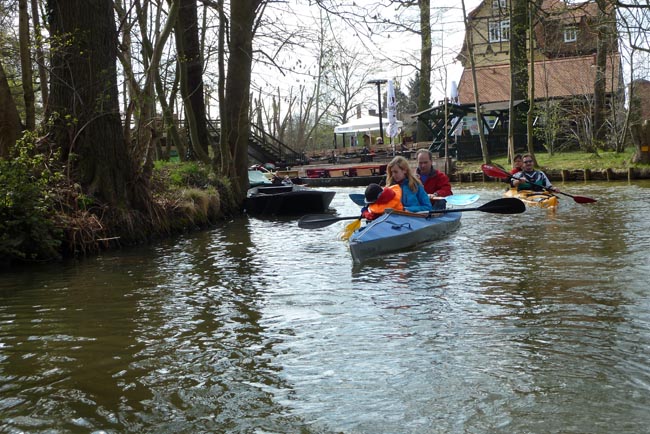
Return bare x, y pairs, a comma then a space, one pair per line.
538, 199
400, 230
345, 175
283, 198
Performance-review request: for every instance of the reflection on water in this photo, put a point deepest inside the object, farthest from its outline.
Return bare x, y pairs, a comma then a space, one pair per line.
536, 323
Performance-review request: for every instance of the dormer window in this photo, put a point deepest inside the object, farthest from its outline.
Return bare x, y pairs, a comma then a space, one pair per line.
499, 31
570, 34
498, 4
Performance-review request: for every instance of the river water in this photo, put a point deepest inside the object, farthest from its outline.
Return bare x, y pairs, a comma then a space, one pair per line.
528, 323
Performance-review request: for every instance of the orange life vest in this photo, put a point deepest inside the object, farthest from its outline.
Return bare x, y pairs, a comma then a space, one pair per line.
391, 197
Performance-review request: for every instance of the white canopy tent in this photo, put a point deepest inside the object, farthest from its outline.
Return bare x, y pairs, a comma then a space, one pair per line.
363, 124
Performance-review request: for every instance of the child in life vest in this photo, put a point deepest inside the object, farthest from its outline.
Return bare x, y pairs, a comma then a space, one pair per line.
380, 199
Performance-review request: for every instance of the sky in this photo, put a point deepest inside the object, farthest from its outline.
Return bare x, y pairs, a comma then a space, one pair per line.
402, 48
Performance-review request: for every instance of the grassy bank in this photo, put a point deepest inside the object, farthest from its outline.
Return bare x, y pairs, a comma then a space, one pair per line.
566, 161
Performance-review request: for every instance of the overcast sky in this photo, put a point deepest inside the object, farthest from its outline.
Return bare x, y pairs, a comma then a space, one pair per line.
447, 37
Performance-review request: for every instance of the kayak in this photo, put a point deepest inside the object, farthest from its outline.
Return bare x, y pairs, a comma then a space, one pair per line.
538, 199
399, 230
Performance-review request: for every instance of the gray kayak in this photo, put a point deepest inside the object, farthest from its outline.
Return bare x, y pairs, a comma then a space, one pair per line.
400, 230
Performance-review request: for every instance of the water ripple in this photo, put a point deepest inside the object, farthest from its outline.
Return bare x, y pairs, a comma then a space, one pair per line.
530, 323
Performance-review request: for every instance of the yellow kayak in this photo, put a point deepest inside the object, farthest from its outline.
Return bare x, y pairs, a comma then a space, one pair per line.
538, 199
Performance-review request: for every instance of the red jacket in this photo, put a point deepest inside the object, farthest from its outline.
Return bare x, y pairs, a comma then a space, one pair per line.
437, 182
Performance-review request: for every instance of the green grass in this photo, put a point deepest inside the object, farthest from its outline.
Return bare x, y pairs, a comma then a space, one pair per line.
566, 161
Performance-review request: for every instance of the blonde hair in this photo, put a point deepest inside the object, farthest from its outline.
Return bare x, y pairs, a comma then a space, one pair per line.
403, 164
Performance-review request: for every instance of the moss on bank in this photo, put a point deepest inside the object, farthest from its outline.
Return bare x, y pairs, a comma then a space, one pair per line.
44, 217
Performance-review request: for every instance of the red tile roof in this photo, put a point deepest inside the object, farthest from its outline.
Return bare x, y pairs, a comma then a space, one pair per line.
553, 78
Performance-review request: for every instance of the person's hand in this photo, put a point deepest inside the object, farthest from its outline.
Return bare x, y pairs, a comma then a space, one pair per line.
435, 197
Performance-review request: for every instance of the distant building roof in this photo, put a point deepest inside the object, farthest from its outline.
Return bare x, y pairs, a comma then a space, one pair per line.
586, 8
553, 79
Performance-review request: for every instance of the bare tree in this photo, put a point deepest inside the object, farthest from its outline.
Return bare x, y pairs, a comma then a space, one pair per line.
10, 125
235, 125
603, 47
26, 65
479, 119
424, 95
518, 70
40, 56
84, 107
190, 70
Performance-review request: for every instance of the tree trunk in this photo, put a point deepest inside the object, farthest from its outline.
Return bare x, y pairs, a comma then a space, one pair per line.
518, 71
84, 106
424, 97
641, 138
10, 125
479, 119
602, 47
191, 67
222, 159
236, 123
531, 84
26, 65
40, 57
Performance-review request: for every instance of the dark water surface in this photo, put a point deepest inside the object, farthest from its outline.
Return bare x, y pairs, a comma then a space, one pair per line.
534, 323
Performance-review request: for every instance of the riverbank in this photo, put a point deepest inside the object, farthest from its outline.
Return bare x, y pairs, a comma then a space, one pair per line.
564, 167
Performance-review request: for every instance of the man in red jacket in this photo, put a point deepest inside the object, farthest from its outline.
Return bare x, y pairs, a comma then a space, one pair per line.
435, 182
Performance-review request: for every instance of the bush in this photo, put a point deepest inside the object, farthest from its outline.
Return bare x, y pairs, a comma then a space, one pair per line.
27, 229
182, 175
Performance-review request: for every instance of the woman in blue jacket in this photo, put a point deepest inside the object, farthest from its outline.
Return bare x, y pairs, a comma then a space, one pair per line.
414, 198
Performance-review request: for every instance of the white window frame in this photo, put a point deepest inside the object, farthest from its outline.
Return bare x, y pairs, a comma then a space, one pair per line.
496, 4
570, 34
505, 30
494, 31
499, 31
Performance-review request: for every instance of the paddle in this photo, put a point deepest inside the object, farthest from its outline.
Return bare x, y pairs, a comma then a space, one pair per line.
454, 199
506, 205
496, 172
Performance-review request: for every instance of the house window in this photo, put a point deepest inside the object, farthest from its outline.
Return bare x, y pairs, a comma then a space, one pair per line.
499, 31
496, 4
570, 34
505, 30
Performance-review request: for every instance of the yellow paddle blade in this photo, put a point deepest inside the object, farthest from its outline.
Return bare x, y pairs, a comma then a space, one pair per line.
349, 229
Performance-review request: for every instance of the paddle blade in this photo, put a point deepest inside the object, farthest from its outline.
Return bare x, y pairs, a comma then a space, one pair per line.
316, 221
349, 229
495, 172
462, 199
506, 205
583, 199
358, 198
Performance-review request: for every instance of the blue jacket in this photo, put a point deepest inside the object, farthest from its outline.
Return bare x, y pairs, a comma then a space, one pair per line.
415, 201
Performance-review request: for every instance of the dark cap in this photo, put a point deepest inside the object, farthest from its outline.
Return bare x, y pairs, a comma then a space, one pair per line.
372, 193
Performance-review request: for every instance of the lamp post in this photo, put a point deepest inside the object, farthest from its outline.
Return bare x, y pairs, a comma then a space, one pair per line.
379, 82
